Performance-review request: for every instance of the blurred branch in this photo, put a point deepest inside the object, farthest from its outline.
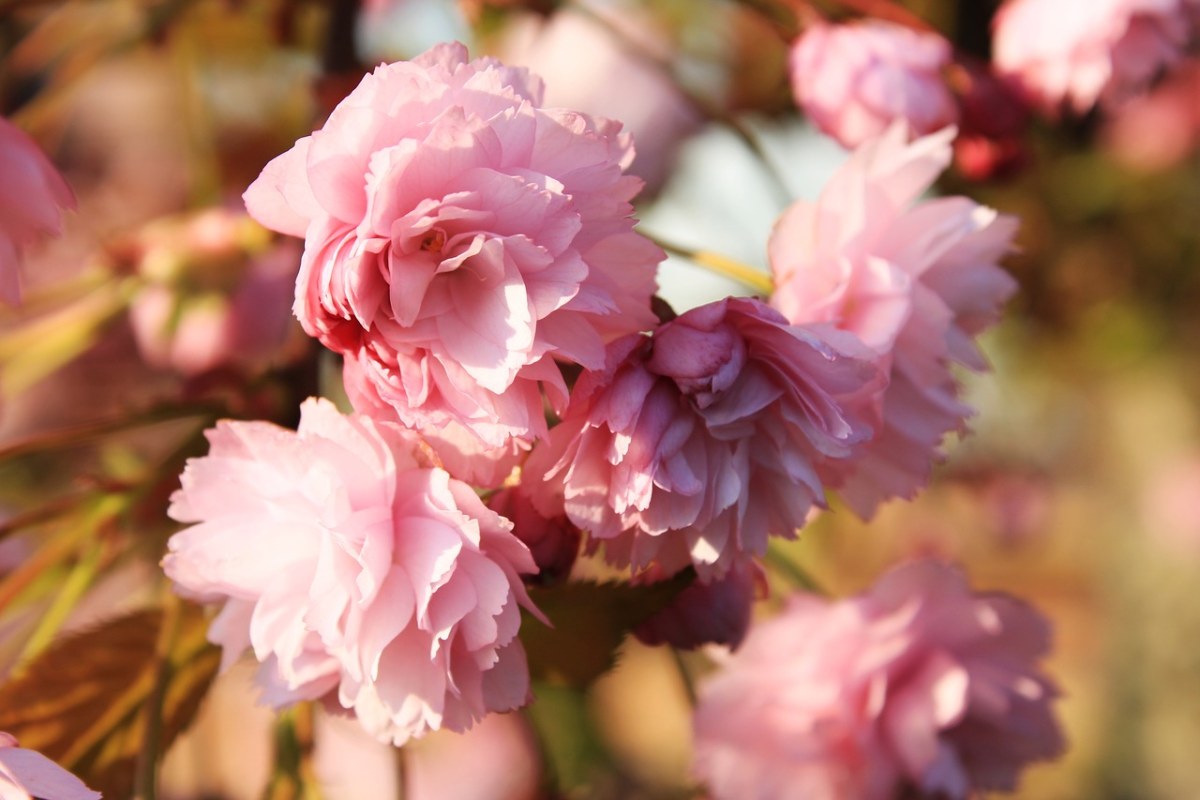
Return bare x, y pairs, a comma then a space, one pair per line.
49, 511
888, 10
76, 435
340, 54
702, 105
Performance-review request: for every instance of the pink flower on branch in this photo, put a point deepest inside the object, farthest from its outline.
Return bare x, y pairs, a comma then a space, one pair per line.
32, 196
919, 684
692, 446
1075, 52
855, 80
355, 572
460, 239
27, 774
914, 280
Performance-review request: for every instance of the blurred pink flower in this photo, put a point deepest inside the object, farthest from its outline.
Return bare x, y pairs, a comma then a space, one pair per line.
32, 196
216, 293
1171, 111
460, 239
1171, 504
356, 574
992, 125
591, 58
1075, 52
918, 684
853, 81
915, 281
27, 774
696, 444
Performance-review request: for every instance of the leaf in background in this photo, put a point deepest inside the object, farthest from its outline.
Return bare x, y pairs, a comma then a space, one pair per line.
590, 622
82, 701
40, 346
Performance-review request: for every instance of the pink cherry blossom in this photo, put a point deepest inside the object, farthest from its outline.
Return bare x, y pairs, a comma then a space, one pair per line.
32, 196
855, 80
918, 685
695, 445
354, 572
460, 239
1075, 52
27, 774
914, 280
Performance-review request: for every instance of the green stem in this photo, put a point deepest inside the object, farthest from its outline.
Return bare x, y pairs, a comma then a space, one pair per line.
722, 265
685, 676
783, 563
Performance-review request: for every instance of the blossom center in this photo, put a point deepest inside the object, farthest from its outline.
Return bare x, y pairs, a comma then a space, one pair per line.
434, 241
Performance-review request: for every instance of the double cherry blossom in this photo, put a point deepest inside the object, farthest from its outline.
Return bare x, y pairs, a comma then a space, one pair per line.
472, 257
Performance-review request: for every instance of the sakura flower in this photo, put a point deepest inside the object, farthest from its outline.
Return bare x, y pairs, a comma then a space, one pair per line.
354, 572
460, 239
914, 280
695, 445
27, 774
1075, 52
918, 687
855, 80
32, 196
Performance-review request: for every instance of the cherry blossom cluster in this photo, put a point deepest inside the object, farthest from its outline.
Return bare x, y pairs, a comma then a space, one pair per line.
472, 257
521, 395
854, 79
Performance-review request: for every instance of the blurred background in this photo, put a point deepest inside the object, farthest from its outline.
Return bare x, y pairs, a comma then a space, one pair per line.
1078, 488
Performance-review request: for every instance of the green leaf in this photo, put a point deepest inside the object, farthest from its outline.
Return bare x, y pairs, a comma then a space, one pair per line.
590, 622
83, 701
41, 346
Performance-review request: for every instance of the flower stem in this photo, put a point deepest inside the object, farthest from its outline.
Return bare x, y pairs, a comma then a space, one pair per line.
722, 265
685, 676
401, 773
